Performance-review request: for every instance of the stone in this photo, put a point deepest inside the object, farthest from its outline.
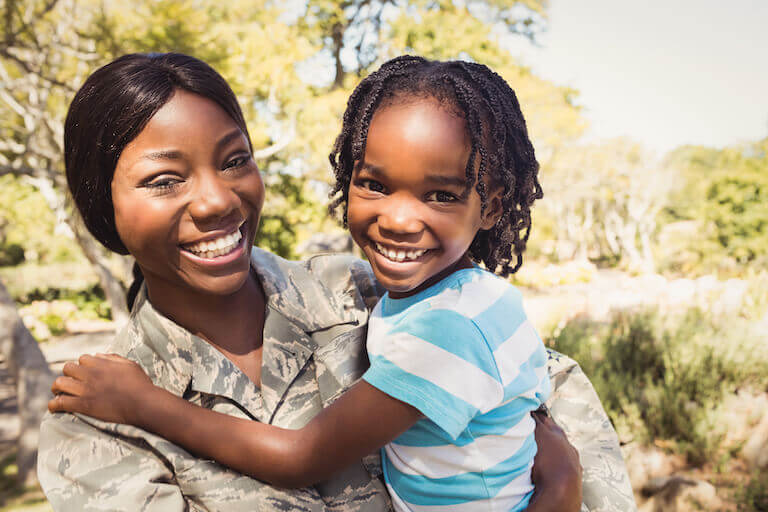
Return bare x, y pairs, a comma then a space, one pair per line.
755, 450
679, 493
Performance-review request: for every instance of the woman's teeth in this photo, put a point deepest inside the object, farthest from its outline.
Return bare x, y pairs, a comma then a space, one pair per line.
216, 247
399, 255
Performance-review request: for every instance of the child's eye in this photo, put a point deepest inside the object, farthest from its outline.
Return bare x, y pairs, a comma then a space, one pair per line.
372, 185
441, 196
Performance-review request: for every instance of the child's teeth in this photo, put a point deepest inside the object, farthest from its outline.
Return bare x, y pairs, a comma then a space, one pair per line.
400, 255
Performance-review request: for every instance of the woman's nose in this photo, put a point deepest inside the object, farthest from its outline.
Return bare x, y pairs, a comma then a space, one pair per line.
400, 215
213, 198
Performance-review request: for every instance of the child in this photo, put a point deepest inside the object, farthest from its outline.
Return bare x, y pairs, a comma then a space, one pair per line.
435, 174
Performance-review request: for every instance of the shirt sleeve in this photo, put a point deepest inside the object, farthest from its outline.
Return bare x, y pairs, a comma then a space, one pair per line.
575, 406
83, 468
439, 362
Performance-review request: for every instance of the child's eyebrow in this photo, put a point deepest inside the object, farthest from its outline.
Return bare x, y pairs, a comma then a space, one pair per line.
440, 179
432, 179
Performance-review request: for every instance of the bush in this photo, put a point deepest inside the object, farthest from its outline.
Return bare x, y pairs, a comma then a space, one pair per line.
11, 255
663, 378
754, 496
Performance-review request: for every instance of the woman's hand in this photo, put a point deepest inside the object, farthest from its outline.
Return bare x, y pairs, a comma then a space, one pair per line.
556, 470
105, 386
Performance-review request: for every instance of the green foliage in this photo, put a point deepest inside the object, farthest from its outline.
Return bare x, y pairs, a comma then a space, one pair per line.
753, 497
664, 378
27, 226
726, 193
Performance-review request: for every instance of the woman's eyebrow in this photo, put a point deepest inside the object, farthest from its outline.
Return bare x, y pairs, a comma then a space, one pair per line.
163, 155
234, 134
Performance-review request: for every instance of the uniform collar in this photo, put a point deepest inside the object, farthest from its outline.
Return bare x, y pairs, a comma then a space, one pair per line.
187, 362
298, 295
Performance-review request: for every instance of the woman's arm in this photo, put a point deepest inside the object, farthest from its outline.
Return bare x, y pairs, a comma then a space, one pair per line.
556, 472
81, 467
575, 406
360, 421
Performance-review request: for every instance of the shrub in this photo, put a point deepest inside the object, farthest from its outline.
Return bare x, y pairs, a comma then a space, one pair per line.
663, 378
753, 497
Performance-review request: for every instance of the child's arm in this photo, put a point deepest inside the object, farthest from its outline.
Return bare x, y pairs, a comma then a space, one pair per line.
360, 421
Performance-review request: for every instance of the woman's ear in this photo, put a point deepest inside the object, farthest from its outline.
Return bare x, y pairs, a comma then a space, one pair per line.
493, 209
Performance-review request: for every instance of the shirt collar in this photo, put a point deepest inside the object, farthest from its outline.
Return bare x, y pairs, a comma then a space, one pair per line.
290, 289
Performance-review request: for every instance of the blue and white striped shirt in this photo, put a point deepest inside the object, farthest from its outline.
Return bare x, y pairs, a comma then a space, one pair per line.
463, 353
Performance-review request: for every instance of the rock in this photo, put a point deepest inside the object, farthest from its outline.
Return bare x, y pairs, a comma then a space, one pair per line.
679, 493
646, 463
755, 450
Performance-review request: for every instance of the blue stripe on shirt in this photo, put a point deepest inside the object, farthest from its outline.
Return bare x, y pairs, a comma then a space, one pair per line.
500, 321
452, 332
492, 423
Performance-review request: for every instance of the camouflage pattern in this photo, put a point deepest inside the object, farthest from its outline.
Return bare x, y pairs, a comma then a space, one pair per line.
575, 406
314, 349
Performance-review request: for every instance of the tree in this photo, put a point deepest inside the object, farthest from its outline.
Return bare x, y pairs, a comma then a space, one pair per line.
606, 199
724, 192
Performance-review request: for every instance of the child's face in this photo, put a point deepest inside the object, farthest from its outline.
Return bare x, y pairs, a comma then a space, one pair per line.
409, 209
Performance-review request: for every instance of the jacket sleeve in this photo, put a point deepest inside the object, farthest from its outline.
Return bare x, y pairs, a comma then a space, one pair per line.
83, 468
575, 406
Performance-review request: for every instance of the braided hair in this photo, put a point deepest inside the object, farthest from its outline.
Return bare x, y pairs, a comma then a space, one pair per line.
500, 147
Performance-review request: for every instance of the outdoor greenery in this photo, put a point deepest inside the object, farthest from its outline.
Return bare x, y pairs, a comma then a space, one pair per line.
664, 378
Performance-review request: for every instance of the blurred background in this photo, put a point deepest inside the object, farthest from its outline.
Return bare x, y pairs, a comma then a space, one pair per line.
648, 259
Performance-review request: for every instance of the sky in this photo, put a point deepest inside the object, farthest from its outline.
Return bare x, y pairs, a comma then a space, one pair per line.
663, 72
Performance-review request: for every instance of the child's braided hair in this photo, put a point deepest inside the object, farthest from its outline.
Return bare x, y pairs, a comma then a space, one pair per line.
496, 129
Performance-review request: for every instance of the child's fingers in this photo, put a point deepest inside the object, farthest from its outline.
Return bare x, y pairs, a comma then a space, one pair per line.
68, 385
74, 370
66, 403
113, 357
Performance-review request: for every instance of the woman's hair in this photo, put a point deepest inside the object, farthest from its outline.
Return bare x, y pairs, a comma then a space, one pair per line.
111, 108
496, 129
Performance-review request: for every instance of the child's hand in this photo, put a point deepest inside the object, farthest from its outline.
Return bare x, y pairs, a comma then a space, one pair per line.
105, 386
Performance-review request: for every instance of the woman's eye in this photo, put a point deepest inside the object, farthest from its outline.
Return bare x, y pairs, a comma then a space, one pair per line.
373, 186
237, 162
441, 196
163, 184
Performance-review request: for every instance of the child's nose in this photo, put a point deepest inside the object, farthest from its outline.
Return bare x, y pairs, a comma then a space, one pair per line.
400, 216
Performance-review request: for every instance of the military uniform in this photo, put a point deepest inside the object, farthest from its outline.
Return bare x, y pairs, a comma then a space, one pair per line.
314, 349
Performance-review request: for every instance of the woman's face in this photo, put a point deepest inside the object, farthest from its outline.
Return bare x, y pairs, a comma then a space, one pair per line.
187, 198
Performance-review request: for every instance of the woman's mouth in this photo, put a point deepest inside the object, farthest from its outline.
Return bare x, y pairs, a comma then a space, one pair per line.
217, 247
399, 255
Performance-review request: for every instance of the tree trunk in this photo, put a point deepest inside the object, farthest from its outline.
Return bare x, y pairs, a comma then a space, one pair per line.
33, 380
113, 290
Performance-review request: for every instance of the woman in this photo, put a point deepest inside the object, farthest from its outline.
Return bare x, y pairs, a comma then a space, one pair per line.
159, 164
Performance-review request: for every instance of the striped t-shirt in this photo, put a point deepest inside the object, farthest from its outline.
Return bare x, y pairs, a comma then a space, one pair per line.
463, 353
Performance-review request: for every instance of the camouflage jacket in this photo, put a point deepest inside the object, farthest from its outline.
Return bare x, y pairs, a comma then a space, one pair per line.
314, 336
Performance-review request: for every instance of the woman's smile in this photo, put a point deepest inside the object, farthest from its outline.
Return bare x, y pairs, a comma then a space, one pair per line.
218, 248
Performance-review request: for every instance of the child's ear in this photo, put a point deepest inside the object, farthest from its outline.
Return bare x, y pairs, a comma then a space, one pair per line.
493, 209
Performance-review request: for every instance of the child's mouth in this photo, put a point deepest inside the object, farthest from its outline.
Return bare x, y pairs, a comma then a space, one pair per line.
399, 255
